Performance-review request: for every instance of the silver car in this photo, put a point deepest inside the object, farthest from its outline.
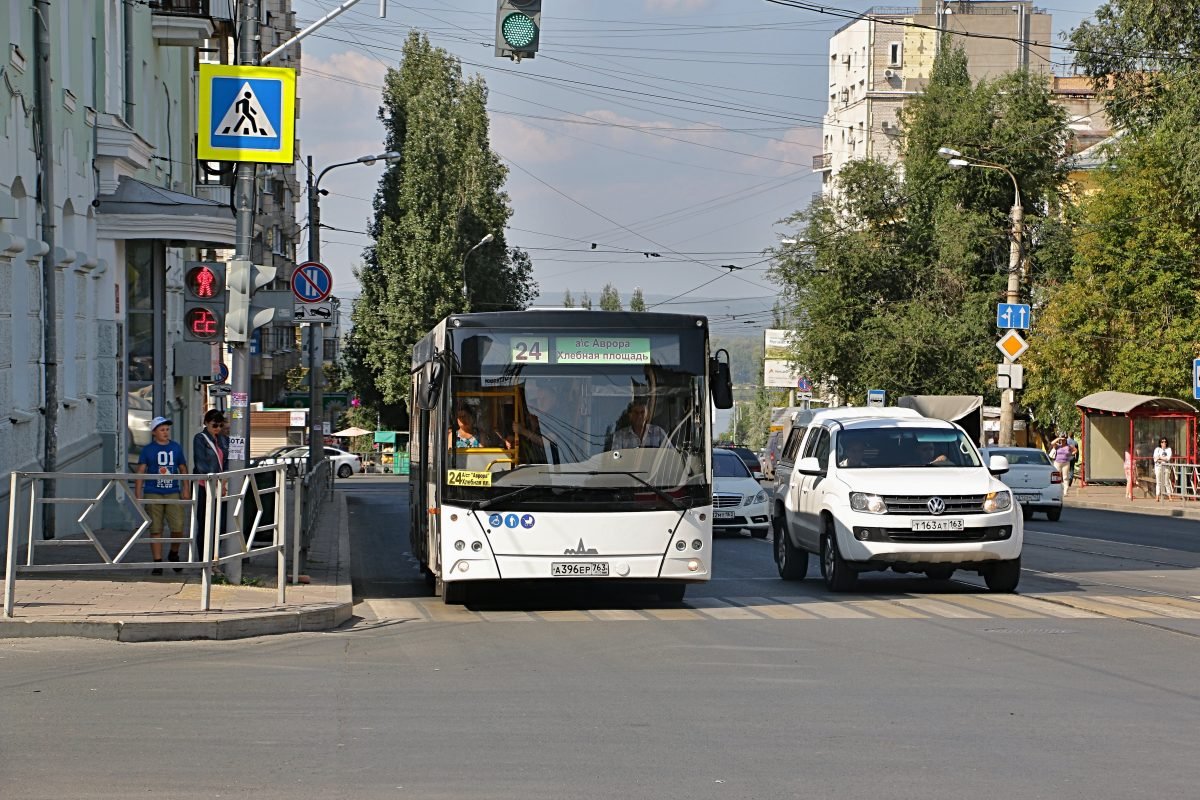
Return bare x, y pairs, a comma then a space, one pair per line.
1034, 481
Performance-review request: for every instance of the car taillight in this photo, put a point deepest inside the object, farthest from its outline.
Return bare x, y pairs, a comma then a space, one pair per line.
1055, 476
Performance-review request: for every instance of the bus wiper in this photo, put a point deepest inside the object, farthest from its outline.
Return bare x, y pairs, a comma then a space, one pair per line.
480, 505
678, 506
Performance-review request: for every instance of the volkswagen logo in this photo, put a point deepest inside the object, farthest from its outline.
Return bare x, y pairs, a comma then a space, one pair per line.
936, 505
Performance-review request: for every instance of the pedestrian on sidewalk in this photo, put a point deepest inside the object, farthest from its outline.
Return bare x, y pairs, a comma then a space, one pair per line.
1060, 454
1162, 470
1130, 471
210, 453
163, 456
1074, 445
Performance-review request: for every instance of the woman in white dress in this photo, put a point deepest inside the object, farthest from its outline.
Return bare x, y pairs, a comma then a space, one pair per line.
1162, 470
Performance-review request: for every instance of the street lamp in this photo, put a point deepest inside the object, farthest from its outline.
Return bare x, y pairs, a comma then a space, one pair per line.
316, 434
957, 160
485, 240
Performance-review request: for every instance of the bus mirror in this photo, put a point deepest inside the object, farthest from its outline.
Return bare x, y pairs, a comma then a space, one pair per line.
428, 388
721, 380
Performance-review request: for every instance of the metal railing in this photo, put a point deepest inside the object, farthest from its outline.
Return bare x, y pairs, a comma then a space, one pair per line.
235, 520
315, 488
1186, 478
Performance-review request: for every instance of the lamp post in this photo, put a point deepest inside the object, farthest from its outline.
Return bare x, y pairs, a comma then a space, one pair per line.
957, 160
485, 240
316, 431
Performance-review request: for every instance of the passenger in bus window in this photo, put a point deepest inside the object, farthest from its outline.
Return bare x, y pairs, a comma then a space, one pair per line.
640, 432
465, 435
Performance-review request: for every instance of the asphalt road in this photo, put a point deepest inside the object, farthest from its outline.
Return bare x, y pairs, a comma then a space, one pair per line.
752, 688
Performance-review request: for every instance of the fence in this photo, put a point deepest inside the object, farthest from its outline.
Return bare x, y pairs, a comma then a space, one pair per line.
237, 514
1186, 478
315, 488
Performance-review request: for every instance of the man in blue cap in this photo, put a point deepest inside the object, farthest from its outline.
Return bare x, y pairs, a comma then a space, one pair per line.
163, 457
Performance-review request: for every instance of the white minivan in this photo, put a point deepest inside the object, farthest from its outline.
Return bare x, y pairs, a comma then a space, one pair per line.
885, 489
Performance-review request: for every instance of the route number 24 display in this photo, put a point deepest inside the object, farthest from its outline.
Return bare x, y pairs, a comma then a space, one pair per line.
530, 350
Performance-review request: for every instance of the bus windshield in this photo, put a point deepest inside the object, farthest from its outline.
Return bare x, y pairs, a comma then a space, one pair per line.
576, 420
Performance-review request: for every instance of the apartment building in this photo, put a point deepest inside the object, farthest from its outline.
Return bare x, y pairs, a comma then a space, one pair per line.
878, 61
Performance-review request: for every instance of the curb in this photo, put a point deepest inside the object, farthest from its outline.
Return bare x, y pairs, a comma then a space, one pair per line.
1151, 508
235, 625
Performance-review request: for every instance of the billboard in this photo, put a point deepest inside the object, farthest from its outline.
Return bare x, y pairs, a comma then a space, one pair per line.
777, 371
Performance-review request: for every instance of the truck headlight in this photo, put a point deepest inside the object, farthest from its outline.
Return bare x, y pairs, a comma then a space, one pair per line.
870, 503
997, 501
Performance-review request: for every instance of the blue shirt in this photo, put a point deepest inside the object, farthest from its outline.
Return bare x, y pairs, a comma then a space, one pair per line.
162, 459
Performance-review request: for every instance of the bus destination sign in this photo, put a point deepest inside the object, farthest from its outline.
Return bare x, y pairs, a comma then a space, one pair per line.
602, 349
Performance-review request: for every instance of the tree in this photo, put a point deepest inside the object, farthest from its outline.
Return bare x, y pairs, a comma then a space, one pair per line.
610, 300
432, 206
637, 302
568, 301
585, 302
894, 281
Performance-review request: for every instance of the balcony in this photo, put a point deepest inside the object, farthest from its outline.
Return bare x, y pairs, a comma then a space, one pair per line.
822, 162
181, 23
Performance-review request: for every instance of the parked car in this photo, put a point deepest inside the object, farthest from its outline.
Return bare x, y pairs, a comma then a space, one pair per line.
885, 488
1034, 481
344, 464
749, 459
739, 501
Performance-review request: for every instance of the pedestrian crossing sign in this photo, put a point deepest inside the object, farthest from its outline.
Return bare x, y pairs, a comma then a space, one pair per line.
247, 114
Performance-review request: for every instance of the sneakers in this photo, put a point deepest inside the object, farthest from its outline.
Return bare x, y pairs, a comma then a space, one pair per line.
174, 557
156, 570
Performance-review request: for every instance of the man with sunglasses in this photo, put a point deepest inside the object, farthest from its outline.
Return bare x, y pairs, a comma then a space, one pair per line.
210, 454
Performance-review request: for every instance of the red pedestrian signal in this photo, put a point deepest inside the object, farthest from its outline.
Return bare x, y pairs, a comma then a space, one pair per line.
204, 301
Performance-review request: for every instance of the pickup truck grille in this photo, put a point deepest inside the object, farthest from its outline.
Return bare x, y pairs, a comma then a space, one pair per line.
919, 503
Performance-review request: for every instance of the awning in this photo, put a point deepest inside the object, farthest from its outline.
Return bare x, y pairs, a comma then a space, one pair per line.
950, 407
351, 432
139, 210
1125, 403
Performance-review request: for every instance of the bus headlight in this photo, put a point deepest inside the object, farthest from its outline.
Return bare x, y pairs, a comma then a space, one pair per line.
694, 565
870, 503
997, 501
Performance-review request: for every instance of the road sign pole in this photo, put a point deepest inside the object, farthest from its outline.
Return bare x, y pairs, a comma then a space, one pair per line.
239, 399
1013, 295
316, 430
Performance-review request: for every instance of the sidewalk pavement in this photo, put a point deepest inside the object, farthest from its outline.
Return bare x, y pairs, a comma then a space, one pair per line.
133, 607
1112, 498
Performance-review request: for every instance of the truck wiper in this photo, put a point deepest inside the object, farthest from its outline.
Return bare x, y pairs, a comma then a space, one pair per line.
678, 506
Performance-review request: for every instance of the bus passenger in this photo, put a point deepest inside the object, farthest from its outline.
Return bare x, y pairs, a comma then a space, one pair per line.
465, 435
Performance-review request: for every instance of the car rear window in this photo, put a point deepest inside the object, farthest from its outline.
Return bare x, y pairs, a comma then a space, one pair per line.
1033, 457
727, 465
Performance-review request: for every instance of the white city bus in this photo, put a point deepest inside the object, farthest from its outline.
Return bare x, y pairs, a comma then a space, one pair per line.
563, 444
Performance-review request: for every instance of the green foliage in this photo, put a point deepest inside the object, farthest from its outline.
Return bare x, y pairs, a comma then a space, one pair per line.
431, 208
637, 302
568, 301
585, 302
895, 283
610, 300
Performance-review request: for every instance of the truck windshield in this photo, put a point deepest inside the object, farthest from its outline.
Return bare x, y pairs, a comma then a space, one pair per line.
884, 448
602, 421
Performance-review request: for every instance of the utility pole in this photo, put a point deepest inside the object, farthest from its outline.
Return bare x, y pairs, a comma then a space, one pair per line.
243, 203
1013, 295
316, 339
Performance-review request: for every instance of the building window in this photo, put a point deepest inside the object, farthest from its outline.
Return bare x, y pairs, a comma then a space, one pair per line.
895, 54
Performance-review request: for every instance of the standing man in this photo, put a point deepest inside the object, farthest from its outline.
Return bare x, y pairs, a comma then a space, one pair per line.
210, 452
163, 457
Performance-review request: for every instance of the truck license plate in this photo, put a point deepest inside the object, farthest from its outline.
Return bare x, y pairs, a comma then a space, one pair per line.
935, 525
579, 569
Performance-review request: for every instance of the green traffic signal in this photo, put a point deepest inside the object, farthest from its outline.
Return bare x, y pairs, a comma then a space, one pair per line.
518, 30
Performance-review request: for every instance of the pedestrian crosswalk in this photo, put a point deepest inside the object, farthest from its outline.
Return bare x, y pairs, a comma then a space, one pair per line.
848, 607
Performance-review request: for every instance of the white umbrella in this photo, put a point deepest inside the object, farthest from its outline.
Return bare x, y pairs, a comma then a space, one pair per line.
350, 432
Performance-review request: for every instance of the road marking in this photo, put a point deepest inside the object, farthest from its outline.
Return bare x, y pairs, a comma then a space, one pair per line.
440, 612
830, 610
1048, 607
993, 608
506, 616
719, 609
617, 614
1155, 608
773, 609
562, 616
887, 609
1105, 609
674, 614
939, 609
386, 608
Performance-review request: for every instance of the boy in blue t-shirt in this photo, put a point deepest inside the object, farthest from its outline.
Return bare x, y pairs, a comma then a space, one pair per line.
163, 457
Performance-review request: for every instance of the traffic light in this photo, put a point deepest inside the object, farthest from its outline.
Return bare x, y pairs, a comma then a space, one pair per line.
518, 28
203, 301
243, 317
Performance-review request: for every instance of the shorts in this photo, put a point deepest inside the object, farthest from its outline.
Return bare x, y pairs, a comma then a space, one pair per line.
158, 512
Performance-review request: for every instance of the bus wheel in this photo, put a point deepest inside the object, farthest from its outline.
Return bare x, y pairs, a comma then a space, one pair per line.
672, 592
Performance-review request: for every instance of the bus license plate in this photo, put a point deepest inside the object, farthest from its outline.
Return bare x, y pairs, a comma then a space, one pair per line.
935, 525
579, 569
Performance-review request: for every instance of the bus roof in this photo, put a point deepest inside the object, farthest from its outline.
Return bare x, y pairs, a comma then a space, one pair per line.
573, 319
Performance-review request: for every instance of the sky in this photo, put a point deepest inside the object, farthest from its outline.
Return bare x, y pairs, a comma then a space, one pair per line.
651, 143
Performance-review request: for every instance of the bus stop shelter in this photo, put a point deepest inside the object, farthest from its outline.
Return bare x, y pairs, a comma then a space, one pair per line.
1113, 420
